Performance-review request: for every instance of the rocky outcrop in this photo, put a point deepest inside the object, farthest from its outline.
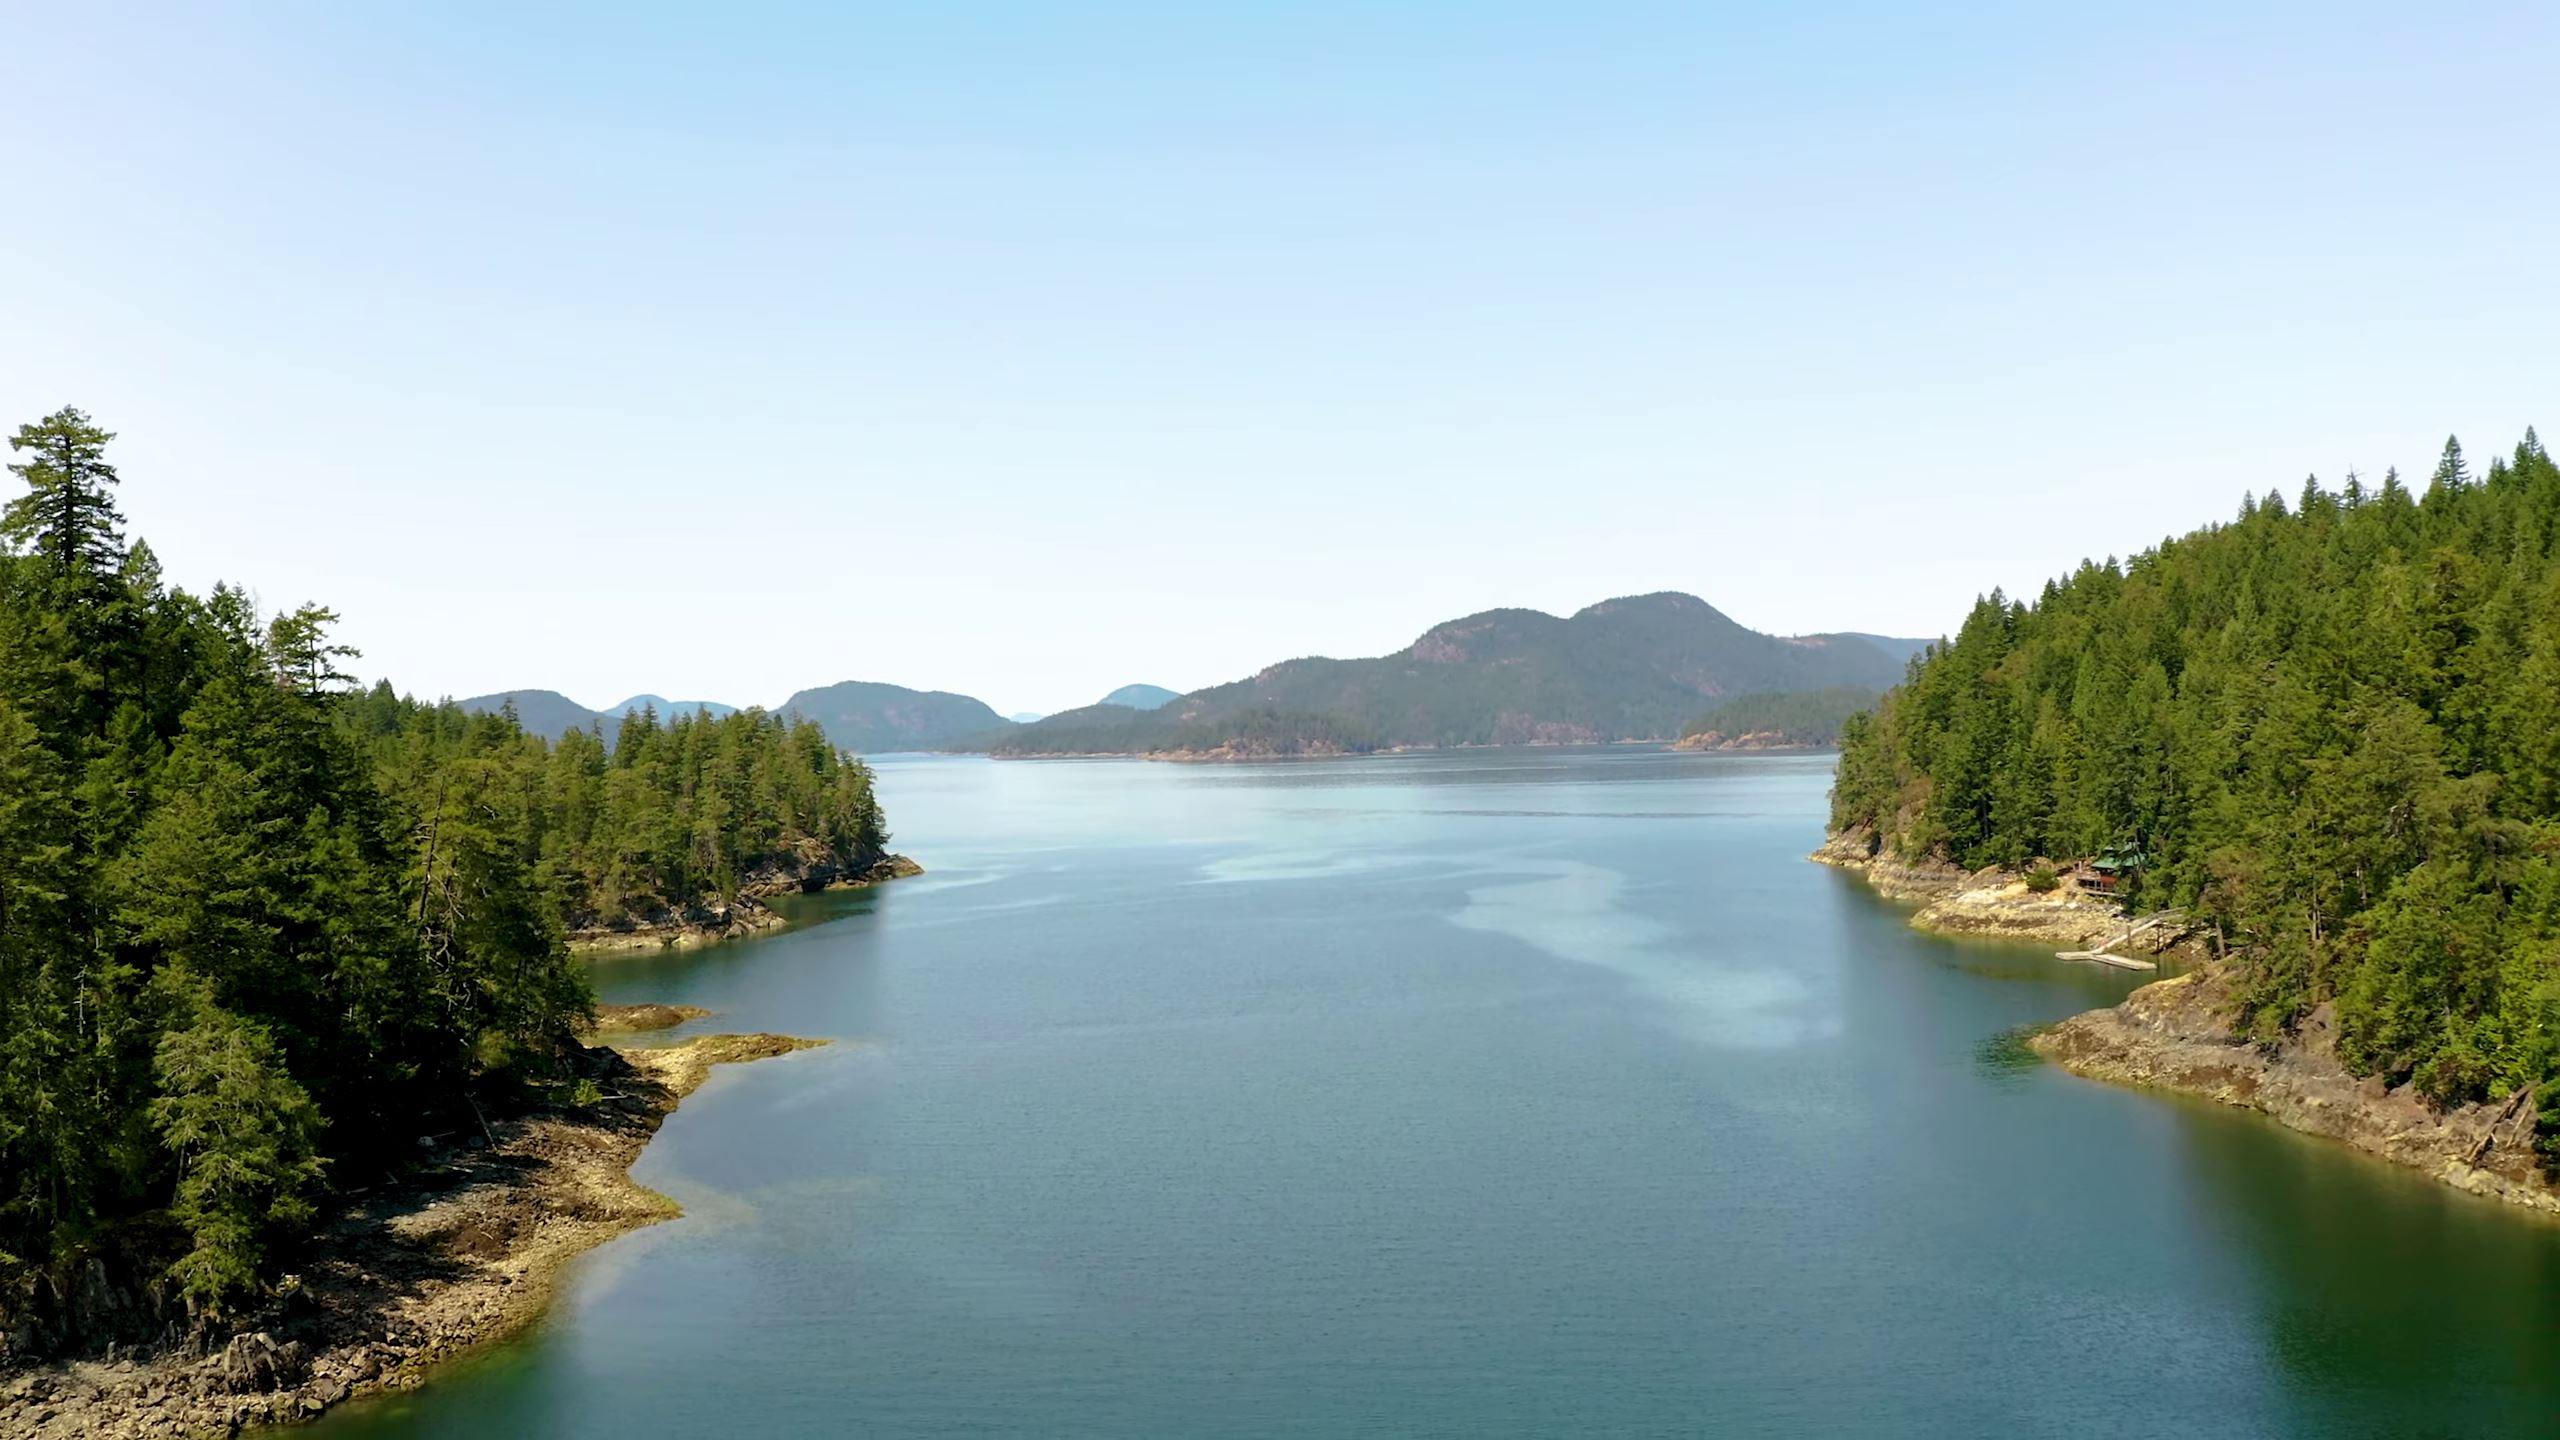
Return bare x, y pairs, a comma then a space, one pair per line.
1748, 740
1857, 850
743, 914
464, 1251
2176, 1035
1999, 903
615, 1018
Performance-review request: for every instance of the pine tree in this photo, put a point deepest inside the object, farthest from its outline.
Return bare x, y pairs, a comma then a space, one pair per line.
68, 516
2451, 472
242, 1134
298, 646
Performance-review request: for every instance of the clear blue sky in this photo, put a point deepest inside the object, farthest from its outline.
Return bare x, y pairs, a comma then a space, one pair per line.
1029, 350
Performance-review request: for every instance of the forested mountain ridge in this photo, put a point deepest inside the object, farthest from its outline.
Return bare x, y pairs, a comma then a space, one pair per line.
2329, 728
550, 714
258, 932
1142, 697
872, 718
1627, 669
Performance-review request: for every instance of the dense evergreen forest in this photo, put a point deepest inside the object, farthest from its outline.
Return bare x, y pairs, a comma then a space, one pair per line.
2330, 729
259, 930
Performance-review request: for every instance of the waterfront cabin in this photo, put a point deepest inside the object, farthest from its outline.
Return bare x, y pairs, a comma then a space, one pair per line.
2110, 869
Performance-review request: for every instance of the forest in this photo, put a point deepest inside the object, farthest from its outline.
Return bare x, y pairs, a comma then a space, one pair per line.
2328, 729
259, 928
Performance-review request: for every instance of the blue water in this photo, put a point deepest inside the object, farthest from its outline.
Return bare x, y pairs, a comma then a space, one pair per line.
1494, 1093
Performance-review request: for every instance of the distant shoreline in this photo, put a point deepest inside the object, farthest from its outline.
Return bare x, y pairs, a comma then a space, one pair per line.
1197, 757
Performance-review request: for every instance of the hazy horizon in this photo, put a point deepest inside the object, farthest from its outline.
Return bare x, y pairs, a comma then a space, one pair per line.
1025, 355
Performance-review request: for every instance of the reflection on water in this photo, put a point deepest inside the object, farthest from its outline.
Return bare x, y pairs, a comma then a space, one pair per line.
1494, 1093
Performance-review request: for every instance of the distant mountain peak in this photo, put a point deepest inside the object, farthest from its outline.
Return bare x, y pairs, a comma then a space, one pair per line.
1141, 697
871, 718
1673, 602
1635, 667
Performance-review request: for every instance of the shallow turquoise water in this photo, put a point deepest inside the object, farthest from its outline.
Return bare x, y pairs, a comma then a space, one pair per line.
1503, 1093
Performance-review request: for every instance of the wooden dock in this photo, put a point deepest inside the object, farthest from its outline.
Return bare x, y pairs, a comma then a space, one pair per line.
2104, 955
2121, 962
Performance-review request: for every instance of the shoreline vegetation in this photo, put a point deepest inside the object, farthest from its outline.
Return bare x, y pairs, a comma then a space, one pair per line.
466, 1250
273, 943
2175, 1035
738, 916
2322, 734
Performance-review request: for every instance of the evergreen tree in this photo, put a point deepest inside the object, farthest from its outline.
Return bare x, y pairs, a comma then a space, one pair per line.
67, 515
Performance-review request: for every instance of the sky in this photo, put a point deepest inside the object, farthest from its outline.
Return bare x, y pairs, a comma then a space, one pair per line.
1030, 350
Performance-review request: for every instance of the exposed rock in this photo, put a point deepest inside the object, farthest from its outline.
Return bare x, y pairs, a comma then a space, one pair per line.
645, 1017
2176, 1035
1749, 740
1894, 878
257, 1362
1996, 902
740, 915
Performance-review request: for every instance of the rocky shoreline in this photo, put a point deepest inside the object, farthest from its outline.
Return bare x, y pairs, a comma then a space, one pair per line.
2175, 1034
736, 918
1997, 903
1758, 741
464, 1251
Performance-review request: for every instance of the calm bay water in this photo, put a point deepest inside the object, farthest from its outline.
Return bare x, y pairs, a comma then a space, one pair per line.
1482, 1094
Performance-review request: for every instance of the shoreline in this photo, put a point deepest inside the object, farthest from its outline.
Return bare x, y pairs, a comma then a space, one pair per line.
448, 1261
1225, 755
1997, 904
2172, 1036
737, 918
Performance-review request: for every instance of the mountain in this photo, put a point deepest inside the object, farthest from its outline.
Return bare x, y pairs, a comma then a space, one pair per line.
666, 706
1025, 717
872, 718
1635, 668
542, 712
551, 714
1141, 697
1900, 649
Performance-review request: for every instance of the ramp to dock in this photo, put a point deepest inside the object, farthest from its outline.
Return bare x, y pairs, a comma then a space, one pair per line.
2104, 955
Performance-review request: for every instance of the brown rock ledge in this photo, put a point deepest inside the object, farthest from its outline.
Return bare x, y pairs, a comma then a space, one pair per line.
2175, 1035
740, 916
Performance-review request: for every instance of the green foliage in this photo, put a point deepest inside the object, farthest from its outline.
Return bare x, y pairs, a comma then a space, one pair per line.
2043, 881
67, 514
1796, 717
2329, 730
243, 909
240, 1132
